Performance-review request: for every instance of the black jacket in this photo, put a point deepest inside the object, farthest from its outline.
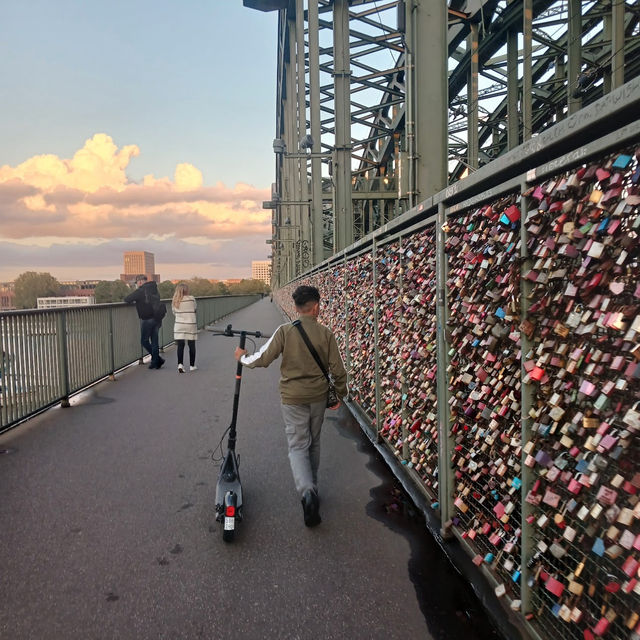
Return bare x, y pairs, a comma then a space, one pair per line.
145, 310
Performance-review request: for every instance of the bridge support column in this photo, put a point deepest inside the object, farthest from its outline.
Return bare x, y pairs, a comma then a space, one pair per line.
303, 233
617, 44
429, 47
527, 69
574, 56
314, 117
342, 208
473, 147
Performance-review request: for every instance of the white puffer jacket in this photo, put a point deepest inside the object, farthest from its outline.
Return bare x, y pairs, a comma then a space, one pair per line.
185, 327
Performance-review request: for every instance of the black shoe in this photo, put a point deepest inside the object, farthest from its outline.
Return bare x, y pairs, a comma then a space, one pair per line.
310, 504
160, 363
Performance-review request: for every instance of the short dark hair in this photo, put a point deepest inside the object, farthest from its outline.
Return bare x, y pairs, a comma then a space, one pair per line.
305, 294
141, 277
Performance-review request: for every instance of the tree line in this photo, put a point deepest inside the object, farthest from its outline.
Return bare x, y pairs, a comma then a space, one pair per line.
30, 286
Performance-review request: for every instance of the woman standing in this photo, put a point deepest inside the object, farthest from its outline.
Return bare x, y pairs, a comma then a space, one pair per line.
185, 327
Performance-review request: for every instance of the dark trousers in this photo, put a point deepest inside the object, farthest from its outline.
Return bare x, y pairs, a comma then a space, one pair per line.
149, 338
192, 351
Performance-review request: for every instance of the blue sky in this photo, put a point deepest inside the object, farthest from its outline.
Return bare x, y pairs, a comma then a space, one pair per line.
163, 85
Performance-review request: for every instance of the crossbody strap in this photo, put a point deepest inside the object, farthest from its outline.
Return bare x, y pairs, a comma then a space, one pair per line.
298, 325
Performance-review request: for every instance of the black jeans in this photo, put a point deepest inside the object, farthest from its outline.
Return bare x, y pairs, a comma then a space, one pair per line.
149, 338
192, 351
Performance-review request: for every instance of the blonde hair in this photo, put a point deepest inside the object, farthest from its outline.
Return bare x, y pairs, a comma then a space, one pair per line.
181, 291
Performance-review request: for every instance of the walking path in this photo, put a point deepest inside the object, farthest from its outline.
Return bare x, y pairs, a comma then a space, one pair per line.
107, 526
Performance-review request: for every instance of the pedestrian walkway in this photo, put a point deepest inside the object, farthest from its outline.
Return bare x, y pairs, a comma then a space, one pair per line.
108, 531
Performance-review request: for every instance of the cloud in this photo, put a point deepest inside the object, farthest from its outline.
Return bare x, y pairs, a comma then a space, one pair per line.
98, 164
187, 177
89, 197
13, 190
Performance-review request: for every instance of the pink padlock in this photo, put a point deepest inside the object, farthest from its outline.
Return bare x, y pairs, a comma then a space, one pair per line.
630, 566
574, 486
607, 496
607, 443
588, 388
601, 627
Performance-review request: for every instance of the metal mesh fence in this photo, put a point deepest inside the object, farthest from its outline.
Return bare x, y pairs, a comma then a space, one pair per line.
584, 368
539, 410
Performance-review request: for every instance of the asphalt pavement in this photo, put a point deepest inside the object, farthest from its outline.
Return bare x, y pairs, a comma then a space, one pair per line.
107, 523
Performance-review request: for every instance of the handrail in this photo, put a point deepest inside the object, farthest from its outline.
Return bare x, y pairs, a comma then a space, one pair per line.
47, 355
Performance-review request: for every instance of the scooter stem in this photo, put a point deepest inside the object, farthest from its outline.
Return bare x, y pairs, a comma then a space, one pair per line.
231, 445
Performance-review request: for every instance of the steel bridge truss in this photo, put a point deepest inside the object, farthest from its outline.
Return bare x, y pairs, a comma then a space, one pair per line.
381, 104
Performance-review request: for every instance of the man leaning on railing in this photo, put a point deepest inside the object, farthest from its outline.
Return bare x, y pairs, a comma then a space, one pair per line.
144, 297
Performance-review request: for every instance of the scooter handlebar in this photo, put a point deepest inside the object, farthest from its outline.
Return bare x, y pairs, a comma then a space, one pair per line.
229, 331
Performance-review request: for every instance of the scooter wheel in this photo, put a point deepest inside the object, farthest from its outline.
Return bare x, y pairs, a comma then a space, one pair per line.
228, 535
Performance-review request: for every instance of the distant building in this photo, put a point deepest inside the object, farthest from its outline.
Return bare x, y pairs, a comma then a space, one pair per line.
65, 301
261, 270
78, 287
6, 296
232, 281
136, 263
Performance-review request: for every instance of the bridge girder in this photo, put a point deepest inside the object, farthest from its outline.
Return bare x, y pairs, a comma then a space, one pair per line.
514, 84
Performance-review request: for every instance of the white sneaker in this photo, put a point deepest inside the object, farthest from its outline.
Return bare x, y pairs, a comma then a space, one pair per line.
194, 368
180, 369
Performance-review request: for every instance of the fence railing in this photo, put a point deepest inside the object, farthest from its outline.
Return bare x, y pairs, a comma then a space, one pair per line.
48, 355
492, 341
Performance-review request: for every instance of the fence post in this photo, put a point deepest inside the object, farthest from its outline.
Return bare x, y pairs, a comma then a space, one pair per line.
527, 479
347, 333
376, 338
404, 387
445, 474
63, 359
112, 355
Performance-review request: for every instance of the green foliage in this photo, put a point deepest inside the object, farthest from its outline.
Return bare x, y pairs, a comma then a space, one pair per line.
166, 289
114, 291
119, 290
248, 286
199, 287
102, 292
221, 289
31, 285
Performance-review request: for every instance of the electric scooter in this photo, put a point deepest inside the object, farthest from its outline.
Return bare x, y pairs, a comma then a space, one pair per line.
229, 490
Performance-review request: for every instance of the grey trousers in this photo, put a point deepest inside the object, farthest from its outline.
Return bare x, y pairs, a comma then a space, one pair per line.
302, 425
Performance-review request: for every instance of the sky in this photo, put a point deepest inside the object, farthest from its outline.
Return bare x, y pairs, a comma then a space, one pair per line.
135, 126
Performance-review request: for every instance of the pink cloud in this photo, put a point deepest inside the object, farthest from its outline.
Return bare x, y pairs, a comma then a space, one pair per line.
89, 197
63, 198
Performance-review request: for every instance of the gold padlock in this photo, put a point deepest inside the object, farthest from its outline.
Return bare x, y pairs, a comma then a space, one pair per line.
575, 587
611, 615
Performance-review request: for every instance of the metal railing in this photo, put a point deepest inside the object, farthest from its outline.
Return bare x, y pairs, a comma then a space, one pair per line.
48, 355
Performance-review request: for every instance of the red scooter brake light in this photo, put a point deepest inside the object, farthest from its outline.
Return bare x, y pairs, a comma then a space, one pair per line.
230, 511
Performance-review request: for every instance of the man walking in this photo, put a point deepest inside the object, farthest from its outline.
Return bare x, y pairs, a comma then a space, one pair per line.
144, 297
303, 391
